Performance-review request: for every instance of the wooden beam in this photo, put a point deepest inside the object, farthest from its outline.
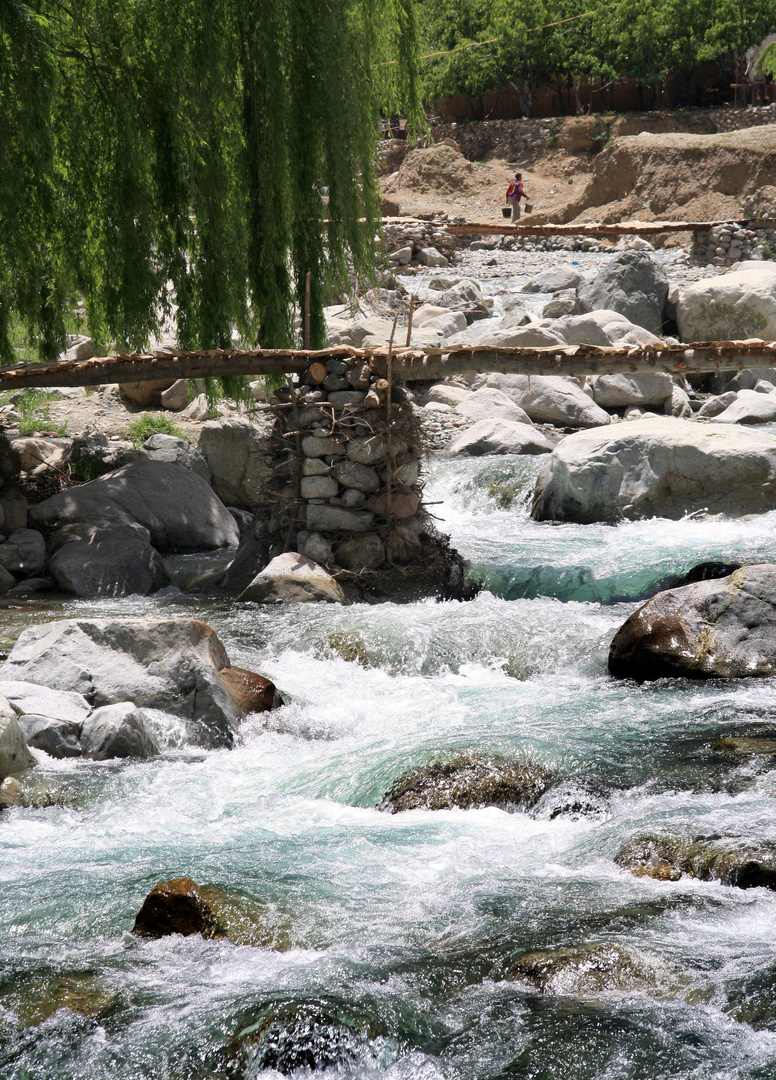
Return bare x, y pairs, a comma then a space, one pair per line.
579, 228
410, 365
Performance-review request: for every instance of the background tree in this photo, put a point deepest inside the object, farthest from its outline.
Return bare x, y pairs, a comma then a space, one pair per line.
178, 153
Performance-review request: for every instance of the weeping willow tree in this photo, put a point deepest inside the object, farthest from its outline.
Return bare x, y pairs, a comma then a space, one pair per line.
195, 156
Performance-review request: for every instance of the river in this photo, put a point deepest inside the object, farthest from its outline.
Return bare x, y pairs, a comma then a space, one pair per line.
414, 922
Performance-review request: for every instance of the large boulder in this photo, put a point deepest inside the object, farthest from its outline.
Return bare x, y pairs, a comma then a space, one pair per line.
177, 451
291, 578
117, 731
487, 403
31, 698
448, 394
555, 279
579, 330
724, 628
749, 407
114, 561
631, 284
732, 307
173, 665
177, 907
24, 552
14, 755
465, 293
179, 509
548, 399
525, 337
240, 456
642, 389
57, 738
499, 437
728, 860
657, 467
93, 454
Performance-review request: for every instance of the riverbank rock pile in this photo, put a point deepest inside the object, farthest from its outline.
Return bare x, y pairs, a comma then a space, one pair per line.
731, 242
346, 497
95, 688
424, 243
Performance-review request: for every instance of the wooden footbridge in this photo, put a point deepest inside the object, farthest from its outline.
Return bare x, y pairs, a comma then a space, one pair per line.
401, 364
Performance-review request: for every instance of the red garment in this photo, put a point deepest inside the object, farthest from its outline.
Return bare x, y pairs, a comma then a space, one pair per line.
516, 191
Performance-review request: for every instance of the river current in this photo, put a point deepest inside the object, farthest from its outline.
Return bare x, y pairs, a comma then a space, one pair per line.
413, 922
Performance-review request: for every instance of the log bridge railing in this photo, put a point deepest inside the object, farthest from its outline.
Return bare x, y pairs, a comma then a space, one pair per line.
409, 365
583, 228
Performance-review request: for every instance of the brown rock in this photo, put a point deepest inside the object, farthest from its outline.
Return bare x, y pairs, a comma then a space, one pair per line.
404, 504
177, 907
146, 393
251, 693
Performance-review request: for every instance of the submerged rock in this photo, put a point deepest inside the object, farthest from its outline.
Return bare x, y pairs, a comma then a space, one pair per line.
468, 781
37, 997
587, 969
177, 907
723, 628
657, 467
308, 1035
173, 665
293, 579
727, 861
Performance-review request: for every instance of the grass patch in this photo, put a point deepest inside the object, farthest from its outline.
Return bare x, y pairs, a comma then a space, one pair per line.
769, 253
35, 414
153, 424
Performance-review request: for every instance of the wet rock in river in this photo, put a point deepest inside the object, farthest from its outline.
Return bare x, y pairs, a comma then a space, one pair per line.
177, 907
14, 755
251, 693
745, 746
309, 1035
57, 738
173, 665
499, 437
587, 969
117, 731
469, 781
723, 628
728, 861
572, 800
657, 467
37, 997
291, 578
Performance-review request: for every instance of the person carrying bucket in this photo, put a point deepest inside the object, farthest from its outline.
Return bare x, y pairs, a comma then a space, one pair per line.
516, 192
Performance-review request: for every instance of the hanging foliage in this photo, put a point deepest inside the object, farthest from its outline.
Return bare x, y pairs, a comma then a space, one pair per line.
193, 158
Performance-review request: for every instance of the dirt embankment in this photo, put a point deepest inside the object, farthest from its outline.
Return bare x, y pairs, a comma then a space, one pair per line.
645, 177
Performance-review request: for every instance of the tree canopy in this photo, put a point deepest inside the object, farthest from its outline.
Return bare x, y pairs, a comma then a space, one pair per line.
204, 154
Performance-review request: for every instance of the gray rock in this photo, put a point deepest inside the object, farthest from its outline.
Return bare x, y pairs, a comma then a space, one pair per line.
621, 331
448, 394
7, 582
57, 738
314, 467
117, 731
177, 507
432, 257
555, 279
488, 403
93, 454
178, 452
365, 551
513, 320
28, 697
631, 284
402, 256
14, 755
351, 474
32, 451
317, 548
371, 450
176, 397
549, 399
314, 446
499, 437
749, 407
352, 499
461, 295
657, 467
527, 337
327, 518
240, 457
642, 389
716, 405
168, 664
724, 628
559, 307
678, 404
114, 561
340, 398
762, 386
451, 322
580, 330
293, 579
734, 306
318, 487
24, 552
430, 312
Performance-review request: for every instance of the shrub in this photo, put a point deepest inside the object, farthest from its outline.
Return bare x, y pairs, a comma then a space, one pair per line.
153, 424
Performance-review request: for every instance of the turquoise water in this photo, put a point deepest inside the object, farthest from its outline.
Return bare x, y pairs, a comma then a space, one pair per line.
416, 921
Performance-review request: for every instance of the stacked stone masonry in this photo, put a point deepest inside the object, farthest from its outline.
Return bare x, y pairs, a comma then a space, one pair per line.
732, 242
353, 491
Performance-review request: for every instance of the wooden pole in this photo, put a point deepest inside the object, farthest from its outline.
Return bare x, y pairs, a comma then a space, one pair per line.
307, 310
389, 417
409, 321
